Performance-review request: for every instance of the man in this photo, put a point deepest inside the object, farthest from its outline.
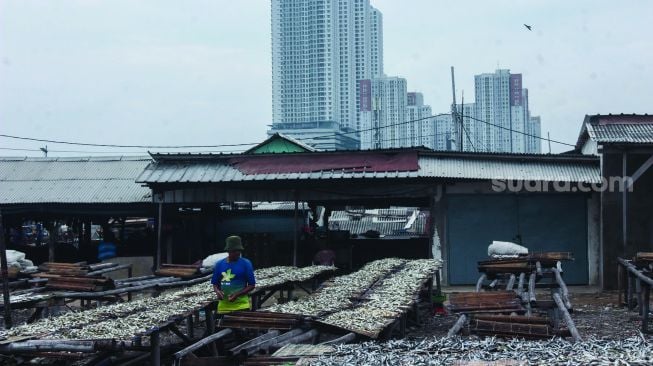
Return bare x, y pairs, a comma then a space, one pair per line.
233, 278
325, 256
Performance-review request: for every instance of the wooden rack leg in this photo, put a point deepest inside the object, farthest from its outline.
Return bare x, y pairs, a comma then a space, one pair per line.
190, 330
640, 297
438, 284
629, 290
155, 346
479, 283
210, 327
645, 308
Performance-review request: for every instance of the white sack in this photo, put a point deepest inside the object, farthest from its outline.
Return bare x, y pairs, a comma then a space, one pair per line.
210, 261
505, 248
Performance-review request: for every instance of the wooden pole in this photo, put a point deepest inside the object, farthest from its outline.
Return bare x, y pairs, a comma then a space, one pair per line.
159, 229
567, 318
531, 288
5, 276
563, 287
479, 283
511, 282
51, 241
349, 337
457, 326
295, 234
203, 342
155, 349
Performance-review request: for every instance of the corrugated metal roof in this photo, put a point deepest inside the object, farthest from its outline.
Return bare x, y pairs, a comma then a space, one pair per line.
634, 133
72, 180
388, 222
514, 169
431, 165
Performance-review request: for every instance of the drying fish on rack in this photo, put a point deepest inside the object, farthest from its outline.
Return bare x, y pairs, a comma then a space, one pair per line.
119, 320
337, 294
453, 350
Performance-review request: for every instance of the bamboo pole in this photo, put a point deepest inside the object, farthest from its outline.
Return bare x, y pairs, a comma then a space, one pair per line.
511, 282
349, 337
310, 335
563, 287
567, 318
531, 288
479, 283
201, 343
457, 326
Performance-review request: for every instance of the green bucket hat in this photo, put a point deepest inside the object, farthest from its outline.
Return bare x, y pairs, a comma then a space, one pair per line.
233, 243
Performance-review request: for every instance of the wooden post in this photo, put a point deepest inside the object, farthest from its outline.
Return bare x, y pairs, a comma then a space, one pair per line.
155, 348
210, 327
645, 307
620, 281
295, 234
640, 298
87, 233
159, 229
5, 276
51, 241
629, 291
190, 329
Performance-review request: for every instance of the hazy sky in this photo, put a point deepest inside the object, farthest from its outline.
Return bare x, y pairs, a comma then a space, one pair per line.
197, 72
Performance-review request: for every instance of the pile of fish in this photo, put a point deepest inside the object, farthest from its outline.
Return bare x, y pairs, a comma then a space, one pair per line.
454, 350
338, 294
386, 300
125, 320
275, 276
119, 321
368, 300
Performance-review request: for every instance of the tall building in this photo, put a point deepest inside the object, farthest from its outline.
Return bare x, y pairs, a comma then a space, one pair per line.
421, 130
502, 102
362, 51
473, 134
444, 132
305, 62
535, 141
321, 49
384, 124
376, 42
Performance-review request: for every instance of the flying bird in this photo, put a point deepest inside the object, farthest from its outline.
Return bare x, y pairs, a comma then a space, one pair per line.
528, 27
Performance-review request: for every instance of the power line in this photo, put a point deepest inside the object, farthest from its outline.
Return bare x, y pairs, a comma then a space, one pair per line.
375, 128
13, 149
467, 134
253, 143
127, 146
523, 133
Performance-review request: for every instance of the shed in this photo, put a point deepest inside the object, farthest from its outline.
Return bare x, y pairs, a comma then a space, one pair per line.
470, 196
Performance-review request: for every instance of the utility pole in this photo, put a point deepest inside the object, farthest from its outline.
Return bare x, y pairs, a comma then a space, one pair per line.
548, 137
457, 121
5, 277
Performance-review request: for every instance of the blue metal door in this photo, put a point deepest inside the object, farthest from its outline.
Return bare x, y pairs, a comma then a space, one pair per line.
546, 222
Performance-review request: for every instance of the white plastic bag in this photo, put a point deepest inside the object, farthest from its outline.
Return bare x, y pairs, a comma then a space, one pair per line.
502, 248
210, 261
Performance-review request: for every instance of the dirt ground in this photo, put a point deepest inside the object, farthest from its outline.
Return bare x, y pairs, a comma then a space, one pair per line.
595, 315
